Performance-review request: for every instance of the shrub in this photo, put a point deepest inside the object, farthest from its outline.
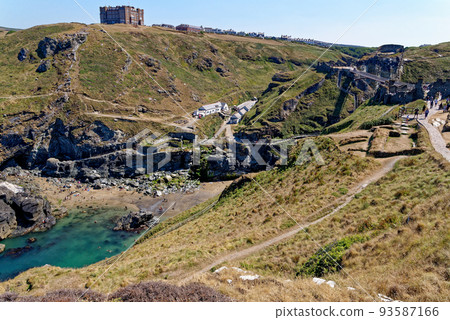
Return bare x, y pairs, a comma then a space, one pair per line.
373, 123
329, 258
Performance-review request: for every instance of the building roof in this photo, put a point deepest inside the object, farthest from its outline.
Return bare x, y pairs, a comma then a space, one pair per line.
213, 106
247, 104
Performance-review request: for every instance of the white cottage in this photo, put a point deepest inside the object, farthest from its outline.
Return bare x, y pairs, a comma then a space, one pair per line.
210, 109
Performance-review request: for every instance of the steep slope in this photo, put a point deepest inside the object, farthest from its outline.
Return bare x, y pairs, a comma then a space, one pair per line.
290, 108
428, 63
189, 66
383, 229
83, 76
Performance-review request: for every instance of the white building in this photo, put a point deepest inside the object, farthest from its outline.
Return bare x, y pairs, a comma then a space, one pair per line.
242, 109
211, 109
235, 118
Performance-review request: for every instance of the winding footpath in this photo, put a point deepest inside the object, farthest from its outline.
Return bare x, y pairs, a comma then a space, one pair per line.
387, 167
436, 138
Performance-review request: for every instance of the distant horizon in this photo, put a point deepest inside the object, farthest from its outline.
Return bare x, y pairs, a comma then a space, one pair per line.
381, 22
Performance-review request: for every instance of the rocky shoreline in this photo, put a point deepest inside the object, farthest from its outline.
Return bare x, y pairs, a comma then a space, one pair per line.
136, 221
22, 212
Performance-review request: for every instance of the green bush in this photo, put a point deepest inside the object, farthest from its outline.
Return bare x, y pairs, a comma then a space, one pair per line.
329, 258
378, 122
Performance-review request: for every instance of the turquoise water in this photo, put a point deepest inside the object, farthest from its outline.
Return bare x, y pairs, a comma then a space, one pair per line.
74, 242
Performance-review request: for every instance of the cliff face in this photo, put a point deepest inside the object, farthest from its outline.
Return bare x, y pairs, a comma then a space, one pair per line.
21, 212
386, 67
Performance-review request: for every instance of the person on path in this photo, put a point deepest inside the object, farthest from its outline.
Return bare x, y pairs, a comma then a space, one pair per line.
416, 113
426, 113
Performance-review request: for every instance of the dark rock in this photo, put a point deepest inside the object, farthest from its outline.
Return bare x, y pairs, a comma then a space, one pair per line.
11, 140
30, 210
23, 54
31, 240
103, 131
213, 49
8, 222
21, 213
190, 59
205, 64
44, 66
222, 70
151, 62
142, 109
135, 221
296, 62
276, 60
47, 47
50, 47
17, 252
283, 77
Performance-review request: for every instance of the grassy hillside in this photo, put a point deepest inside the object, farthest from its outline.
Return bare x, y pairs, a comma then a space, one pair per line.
429, 63
397, 226
355, 52
313, 112
194, 69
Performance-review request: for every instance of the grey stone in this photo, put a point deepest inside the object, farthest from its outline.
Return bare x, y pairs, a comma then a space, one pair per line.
23, 54
44, 66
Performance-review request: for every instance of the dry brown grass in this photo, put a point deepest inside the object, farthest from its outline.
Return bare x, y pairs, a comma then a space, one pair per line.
403, 217
142, 292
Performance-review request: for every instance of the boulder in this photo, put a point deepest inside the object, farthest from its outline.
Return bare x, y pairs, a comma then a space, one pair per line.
135, 221
30, 210
23, 54
205, 64
151, 62
47, 47
44, 66
277, 60
2, 247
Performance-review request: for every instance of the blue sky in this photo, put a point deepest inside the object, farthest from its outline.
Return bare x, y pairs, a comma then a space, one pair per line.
411, 22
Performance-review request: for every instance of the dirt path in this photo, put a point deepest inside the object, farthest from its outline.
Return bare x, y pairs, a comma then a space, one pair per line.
437, 140
387, 166
28, 97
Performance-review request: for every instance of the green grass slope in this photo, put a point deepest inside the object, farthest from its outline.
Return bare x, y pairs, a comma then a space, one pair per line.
429, 63
194, 68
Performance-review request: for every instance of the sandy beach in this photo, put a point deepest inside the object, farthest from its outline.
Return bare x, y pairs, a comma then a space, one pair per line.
81, 196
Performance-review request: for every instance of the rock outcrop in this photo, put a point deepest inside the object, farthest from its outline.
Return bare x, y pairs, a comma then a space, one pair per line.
44, 66
21, 212
23, 54
151, 62
136, 221
49, 47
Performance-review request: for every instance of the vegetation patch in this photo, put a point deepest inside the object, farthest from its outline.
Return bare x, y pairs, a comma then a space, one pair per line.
329, 258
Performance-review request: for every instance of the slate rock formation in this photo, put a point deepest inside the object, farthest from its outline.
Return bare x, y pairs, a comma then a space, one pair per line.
135, 221
21, 212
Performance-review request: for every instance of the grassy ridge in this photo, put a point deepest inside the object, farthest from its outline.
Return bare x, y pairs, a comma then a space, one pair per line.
194, 69
429, 63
